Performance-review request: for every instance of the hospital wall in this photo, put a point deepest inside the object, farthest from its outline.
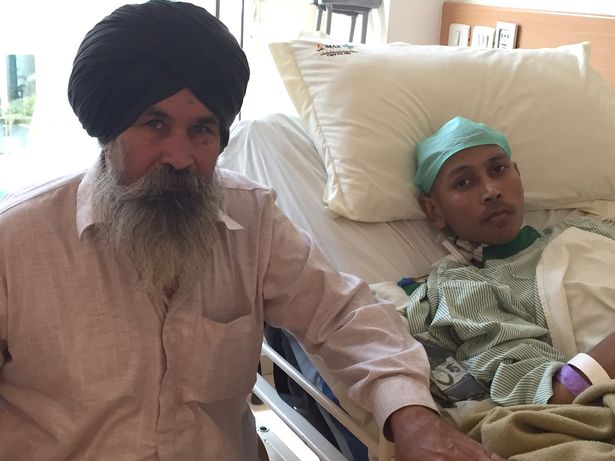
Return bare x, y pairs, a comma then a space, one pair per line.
418, 21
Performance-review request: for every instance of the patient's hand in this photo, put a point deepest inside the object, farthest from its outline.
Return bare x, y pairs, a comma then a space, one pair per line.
421, 435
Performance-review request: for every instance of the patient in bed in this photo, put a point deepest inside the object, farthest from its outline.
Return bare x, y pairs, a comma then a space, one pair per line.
488, 305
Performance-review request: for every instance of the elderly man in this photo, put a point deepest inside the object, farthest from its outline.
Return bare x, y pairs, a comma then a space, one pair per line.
132, 298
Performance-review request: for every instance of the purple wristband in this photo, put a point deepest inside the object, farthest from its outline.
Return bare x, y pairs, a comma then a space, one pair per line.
571, 379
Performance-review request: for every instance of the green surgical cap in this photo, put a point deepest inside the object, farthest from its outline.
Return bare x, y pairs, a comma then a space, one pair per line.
454, 136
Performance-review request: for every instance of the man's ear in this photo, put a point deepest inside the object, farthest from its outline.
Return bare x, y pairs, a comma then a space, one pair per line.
432, 210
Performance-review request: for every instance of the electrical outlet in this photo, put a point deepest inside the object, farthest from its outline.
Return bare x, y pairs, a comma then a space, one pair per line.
458, 35
482, 37
506, 35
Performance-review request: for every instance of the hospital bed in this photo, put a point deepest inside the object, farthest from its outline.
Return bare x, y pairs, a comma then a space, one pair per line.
358, 121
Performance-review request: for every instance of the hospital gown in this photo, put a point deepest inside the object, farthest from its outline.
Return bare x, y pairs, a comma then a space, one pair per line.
492, 319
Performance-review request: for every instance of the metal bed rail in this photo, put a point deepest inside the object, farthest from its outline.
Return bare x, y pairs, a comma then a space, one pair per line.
314, 440
334, 410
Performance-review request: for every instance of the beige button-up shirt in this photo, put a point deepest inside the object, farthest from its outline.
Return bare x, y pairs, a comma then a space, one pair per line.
94, 365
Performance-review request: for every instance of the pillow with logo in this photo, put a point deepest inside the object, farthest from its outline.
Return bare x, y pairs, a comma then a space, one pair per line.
366, 107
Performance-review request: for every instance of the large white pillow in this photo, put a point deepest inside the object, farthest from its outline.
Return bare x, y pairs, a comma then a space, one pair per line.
366, 107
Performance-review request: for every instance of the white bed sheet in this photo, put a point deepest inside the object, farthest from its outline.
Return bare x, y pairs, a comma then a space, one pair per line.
277, 152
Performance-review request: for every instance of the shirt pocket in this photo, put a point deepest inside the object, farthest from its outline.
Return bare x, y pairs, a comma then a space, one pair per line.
224, 359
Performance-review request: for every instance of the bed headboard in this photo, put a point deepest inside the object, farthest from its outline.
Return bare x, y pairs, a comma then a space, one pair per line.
538, 29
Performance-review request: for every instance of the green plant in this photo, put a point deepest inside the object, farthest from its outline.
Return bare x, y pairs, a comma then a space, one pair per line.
19, 111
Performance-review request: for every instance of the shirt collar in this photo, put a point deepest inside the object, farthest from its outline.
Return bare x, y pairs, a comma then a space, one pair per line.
86, 213
479, 254
85, 208
524, 239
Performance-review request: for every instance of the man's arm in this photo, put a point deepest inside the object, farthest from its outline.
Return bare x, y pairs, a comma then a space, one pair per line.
362, 342
519, 371
502, 350
603, 354
492, 335
420, 434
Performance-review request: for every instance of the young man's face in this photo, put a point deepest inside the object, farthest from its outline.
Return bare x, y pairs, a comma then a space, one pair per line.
478, 195
178, 131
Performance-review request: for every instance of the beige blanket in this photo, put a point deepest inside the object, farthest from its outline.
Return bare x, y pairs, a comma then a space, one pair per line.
582, 431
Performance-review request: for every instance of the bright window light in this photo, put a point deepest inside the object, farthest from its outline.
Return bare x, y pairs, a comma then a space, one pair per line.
41, 138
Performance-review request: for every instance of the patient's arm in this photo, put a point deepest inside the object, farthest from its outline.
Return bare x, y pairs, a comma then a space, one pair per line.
561, 394
603, 354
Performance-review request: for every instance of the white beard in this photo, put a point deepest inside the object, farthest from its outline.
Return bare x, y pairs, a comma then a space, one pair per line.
165, 222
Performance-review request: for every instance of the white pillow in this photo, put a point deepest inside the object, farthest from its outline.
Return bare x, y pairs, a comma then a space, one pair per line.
366, 107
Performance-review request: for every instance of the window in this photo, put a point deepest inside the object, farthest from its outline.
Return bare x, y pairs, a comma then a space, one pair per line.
40, 137
17, 98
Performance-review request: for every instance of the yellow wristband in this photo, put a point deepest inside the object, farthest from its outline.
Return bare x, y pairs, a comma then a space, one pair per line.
590, 368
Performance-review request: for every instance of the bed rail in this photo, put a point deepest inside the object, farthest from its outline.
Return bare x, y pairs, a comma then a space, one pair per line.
334, 410
315, 441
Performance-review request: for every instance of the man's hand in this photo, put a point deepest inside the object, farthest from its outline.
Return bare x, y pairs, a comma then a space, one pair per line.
420, 434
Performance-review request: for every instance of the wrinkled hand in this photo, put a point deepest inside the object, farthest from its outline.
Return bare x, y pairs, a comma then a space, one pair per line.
422, 435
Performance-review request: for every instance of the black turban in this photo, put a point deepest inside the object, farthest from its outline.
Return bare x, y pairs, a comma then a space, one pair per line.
141, 54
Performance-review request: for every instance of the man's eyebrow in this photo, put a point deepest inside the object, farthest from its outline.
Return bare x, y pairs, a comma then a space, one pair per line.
161, 114
457, 170
497, 158
155, 112
208, 120
493, 159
